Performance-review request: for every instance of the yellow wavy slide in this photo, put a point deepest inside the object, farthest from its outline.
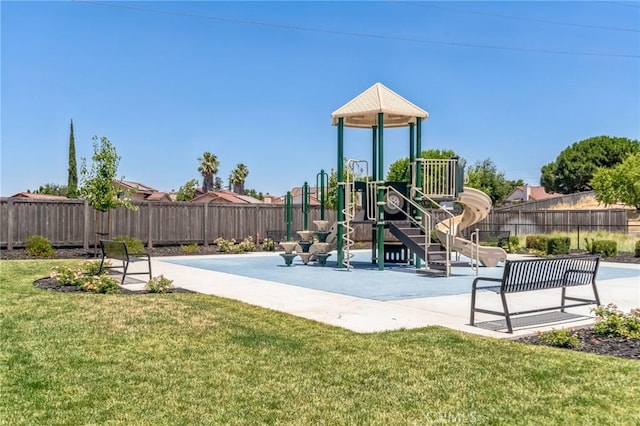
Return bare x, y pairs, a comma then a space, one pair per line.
477, 205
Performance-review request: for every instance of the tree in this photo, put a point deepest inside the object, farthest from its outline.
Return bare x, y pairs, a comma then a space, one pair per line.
72, 181
620, 184
51, 189
399, 170
187, 191
331, 201
98, 183
208, 169
573, 169
237, 178
253, 193
217, 183
484, 175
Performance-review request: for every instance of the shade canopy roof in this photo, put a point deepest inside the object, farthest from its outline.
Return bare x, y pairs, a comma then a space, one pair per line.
362, 111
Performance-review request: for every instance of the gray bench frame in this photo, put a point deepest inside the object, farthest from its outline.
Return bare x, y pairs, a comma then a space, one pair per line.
118, 250
540, 274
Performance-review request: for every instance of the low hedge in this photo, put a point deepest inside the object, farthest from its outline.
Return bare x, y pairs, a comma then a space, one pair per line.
558, 245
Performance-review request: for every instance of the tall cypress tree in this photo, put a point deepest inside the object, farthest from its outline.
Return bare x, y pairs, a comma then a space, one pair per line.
72, 183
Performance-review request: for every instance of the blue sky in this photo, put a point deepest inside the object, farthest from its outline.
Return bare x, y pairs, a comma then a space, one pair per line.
256, 82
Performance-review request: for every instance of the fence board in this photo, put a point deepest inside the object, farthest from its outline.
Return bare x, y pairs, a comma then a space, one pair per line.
69, 223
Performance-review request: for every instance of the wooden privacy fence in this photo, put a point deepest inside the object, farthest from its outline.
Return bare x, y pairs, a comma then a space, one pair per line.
70, 223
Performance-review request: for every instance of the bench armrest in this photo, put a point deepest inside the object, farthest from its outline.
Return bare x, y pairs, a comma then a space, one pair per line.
495, 280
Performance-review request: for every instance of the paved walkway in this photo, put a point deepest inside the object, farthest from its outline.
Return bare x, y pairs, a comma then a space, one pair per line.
367, 315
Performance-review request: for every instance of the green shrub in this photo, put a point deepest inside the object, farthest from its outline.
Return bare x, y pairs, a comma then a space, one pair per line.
560, 339
39, 246
514, 242
536, 242
268, 245
100, 284
134, 245
190, 248
558, 245
225, 246
638, 248
68, 275
247, 244
159, 284
605, 248
612, 322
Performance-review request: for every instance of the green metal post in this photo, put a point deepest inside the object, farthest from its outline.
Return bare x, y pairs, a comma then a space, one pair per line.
412, 159
288, 207
340, 228
305, 206
322, 177
418, 171
380, 192
374, 176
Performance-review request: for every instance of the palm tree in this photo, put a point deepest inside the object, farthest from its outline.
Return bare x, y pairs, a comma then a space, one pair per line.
237, 178
208, 168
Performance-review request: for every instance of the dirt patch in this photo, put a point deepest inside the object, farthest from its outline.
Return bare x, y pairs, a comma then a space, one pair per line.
594, 343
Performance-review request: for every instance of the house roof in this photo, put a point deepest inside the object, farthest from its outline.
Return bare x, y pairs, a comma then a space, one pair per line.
538, 193
38, 196
362, 111
136, 186
158, 196
225, 196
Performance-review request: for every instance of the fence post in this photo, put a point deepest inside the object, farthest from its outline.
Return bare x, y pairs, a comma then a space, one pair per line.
149, 227
87, 218
10, 215
578, 237
205, 221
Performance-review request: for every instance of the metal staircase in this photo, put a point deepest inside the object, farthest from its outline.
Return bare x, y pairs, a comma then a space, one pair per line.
415, 240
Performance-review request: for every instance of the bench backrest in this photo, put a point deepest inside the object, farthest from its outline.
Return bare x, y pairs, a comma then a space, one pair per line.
537, 274
114, 249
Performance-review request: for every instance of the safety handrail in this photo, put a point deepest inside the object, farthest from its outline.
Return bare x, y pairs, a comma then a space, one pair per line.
424, 214
475, 250
438, 176
450, 234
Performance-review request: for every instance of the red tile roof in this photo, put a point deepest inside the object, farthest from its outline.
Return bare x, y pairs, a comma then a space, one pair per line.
38, 196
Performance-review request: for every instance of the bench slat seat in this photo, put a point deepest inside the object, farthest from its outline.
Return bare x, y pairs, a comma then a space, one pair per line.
540, 274
117, 250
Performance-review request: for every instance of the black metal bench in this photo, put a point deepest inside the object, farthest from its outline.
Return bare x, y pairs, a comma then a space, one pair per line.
541, 274
277, 235
118, 250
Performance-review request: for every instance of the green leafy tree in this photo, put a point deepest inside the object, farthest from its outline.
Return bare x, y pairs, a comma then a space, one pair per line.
331, 201
484, 175
98, 183
187, 191
72, 181
51, 189
620, 184
573, 169
253, 193
217, 183
399, 170
238, 177
208, 168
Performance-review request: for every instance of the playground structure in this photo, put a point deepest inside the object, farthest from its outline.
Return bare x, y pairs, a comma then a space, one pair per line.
402, 207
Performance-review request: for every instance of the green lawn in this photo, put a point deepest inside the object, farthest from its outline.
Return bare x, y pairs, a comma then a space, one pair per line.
196, 359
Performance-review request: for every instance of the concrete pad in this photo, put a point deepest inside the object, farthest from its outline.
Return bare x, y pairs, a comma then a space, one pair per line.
365, 315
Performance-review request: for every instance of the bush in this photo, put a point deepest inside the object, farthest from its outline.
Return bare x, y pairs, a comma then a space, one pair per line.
536, 242
247, 244
605, 248
637, 248
560, 339
99, 284
39, 246
268, 245
558, 245
190, 249
159, 284
612, 322
134, 245
86, 277
514, 242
